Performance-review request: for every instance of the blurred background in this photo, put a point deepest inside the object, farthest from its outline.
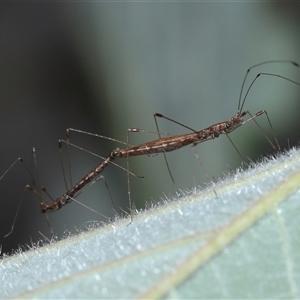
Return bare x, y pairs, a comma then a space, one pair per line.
106, 67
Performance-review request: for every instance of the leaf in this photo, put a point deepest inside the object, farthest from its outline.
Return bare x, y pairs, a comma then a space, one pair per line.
239, 239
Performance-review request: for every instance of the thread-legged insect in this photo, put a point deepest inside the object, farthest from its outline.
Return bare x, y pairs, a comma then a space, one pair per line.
172, 142
165, 144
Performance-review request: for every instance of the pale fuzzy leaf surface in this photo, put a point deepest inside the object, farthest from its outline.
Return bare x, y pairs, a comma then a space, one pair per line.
244, 243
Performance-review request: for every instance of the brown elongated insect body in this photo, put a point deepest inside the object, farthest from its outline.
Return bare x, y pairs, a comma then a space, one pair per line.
161, 145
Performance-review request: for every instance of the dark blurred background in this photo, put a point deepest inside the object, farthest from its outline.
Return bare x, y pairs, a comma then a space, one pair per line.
106, 67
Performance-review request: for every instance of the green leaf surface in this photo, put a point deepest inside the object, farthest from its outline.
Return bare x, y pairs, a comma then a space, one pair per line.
238, 239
